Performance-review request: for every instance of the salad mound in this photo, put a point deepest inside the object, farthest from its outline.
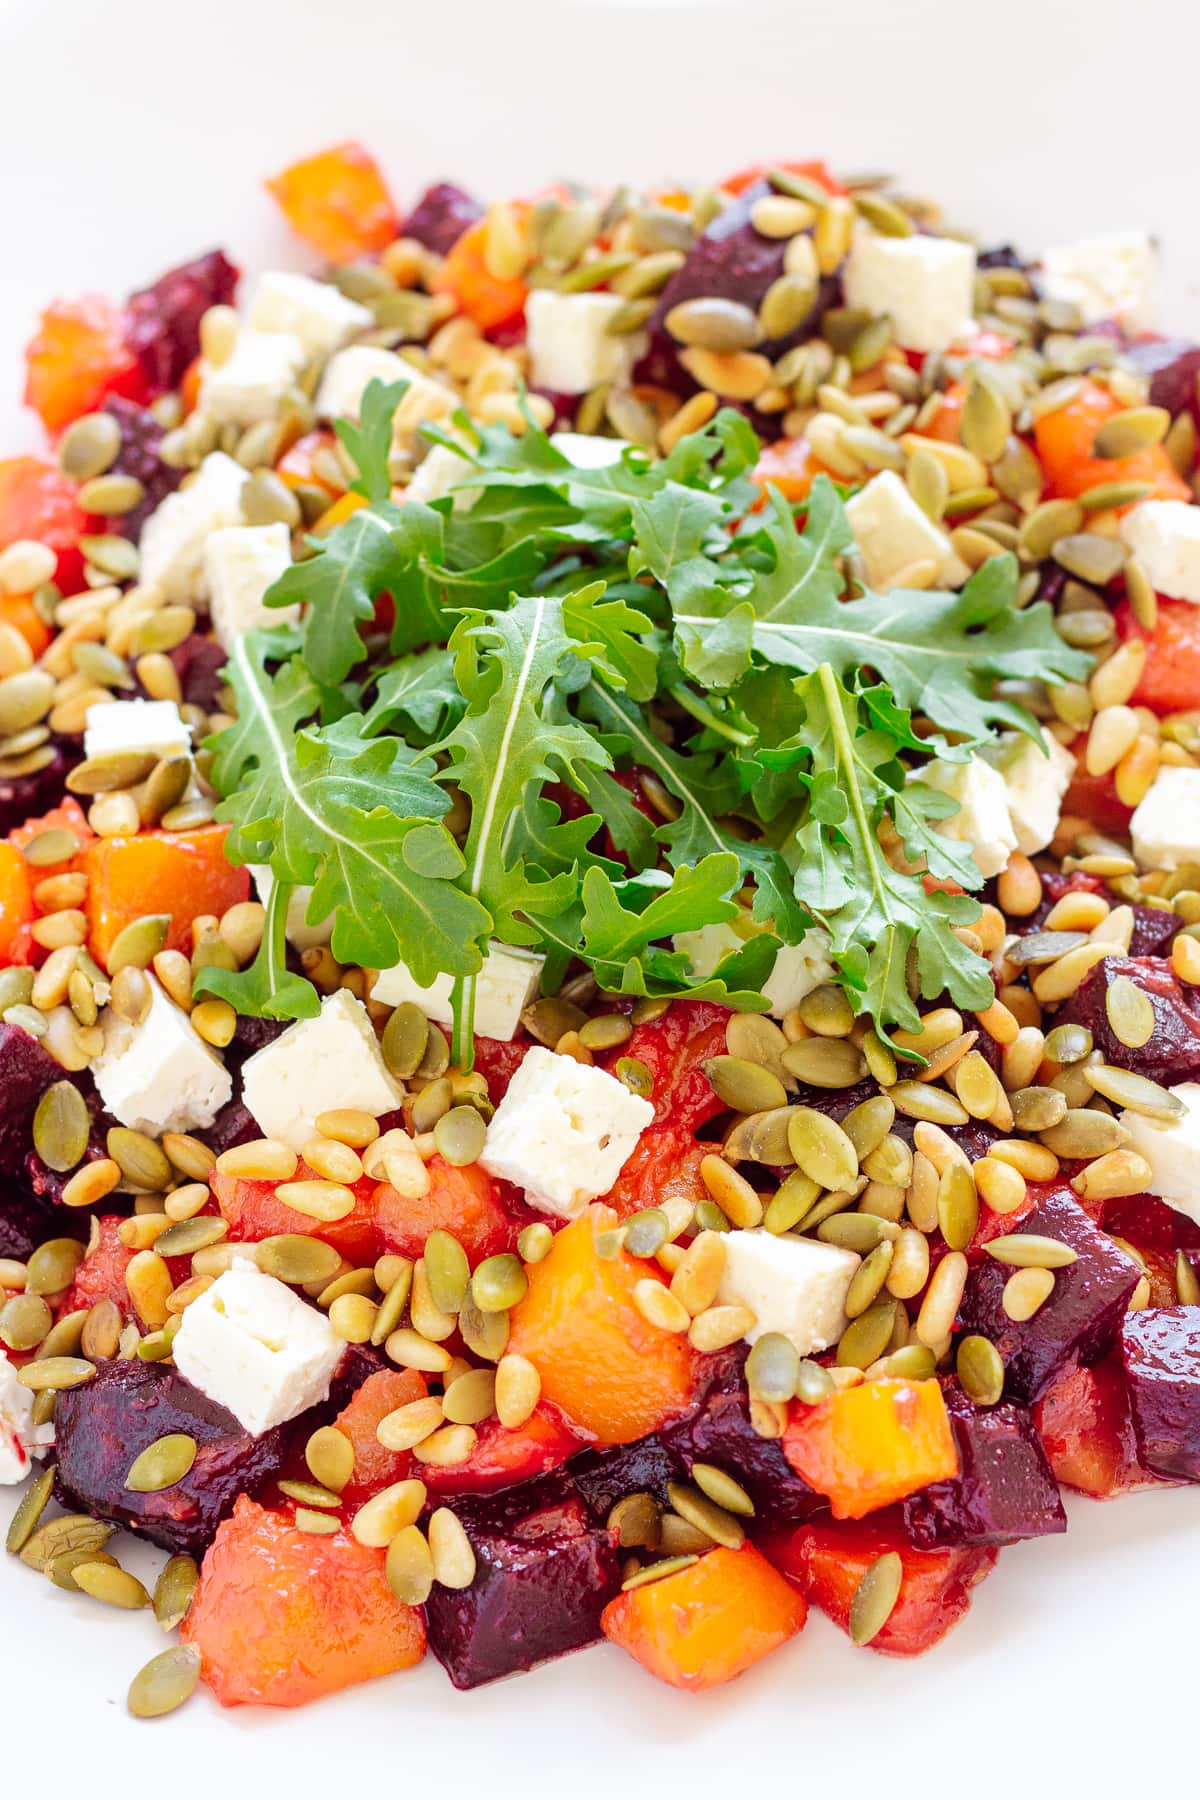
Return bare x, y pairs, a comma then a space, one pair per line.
599, 984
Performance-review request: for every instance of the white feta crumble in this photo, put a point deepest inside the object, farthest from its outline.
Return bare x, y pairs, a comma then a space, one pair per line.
173, 537
571, 349
926, 285
250, 384
983, 818
349, 373
317, 1064
1165, 827
160, 1075
297, 929
439, 476
241, 563
1106, 277
792, 1285
1035, 784
799, 968
563, 1132
1172, 1150
504, 987
150, 726
892, 533
1164, 535
20, 1438
254, 1347
587, 451
313, 311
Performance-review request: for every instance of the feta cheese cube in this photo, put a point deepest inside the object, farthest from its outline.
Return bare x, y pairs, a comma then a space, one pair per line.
571, 349
799, 968
348, 375
563, 1132
173, 537
1164, 535
925, 284
587, 451
160, 1075
331, 1061
1165, 827
1036, 784
253, 1346
441, 475
20, 1438
504, 987
1172, 1150
153, 726
892, 533
297, 928
241, 563
1106, 277
982, 819
792, 1285
250, 384
313, 311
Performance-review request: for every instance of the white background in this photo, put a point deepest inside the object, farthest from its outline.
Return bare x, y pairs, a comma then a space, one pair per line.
133, 133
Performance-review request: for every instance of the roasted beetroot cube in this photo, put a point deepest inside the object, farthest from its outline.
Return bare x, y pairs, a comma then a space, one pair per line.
28, 796
441, 216
721, 1433
1079, 1321
1172, 1054
26, 1071
104, 1425
199, 663
1005, 1489
1155, 929
1173, 365
163, 321
974, 1138
233, 1125
543, 1574
141, 435
605, 1476
1160, 1348
27, 1221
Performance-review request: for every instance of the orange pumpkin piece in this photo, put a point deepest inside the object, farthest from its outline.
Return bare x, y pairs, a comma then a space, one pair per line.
295, 466
464, 1201
343, 508
68, 815
77, 357
254, 1212
1064, 440
180, 873
615, 1377
866, 1446
337, 201
1086, 1429
789, 465
488, 299
281, 1617
18, 610
708, 1623
375, 1467
16, 906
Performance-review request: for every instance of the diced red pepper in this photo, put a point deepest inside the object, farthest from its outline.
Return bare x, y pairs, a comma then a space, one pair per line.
467, 1202
254, 1212
77, 358
501, 1457
38, 502
1171, 678
338, 201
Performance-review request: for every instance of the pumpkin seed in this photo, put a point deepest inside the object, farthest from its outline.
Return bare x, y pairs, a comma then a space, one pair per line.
139, 942
704, 1515
1137, 1092
109, 773
921, 1100
62, 1570
30, 1507
605, 1032
329, 1454
1085, 1134
791, 1202
858, 1231
89, 446
813, 1383
165, 1682
772, 1367
868, 1279
1138, 428
825, 1062
165, 788
162, 1464
875, 1598
49, 847
142, 1162
787, 303
24, 699
1026, 1250
484, 1332
958, 1205
1187, 1282
980, 1369
986, 421
821, 1149
659, 1571
1047, 524
459, 1135
409, 1567
71, 1531
174, 1589
24, 1321
645, 1234
52, 1266
498, 1283
744, 1086
310, 1493
1130, 1012
110, 1584
64, 1337
16, 987
391, 1307
1037, 1108
713, 324
470, 1398
298, 1260
405, 1038
635, 1519
55, 1372
915, 1362
1091, 558
190, 1235
866, 1338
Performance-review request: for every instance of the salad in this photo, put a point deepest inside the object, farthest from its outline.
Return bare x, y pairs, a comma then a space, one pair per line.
599, 928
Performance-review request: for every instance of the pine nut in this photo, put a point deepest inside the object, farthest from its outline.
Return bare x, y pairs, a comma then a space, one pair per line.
935, 1321
263, 1159
719, 1326
518, 1390
1025, 1291
92, 1182
659, 1307
149, 1282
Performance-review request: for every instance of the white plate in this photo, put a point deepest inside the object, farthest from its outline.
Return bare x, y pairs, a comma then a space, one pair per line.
133, 134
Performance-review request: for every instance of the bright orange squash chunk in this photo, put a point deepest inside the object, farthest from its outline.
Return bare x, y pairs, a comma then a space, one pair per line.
488, 299
866, 1446
254, 1211
615, 1377
708, 1623
18, 610
337, 201
77, 358
295, 466
183, 873
375, 1467
1064, 443
281, 1617
465, 1201
1086, 1429
790, 465
16, 906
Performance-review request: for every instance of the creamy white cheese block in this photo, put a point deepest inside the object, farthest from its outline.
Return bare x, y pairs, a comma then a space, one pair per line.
1164, 535
1165, 827
242, 562
313, 311
926, 285
250, 385
149, 727
1172, 1150
504, 987
439, 476
983, 820
571, 349
160, 1075
1035, 782
1107, 277
315, 1066
795, 1286
892, 533
174, 536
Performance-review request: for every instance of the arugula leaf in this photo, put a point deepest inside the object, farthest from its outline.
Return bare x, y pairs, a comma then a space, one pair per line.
267, 989
419, 688
369, 443
357, 819
349, 569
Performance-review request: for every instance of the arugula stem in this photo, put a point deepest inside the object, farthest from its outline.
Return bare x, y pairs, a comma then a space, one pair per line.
832, 690
708, 716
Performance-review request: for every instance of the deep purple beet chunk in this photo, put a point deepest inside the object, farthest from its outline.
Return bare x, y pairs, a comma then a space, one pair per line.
199, 662
141, 435
1173, 365
605, 1476
232, 1125
28, 796
26, 1222
544, 1571
26, 1071
1079, 1321
104, 1425
974, 1138
163, 320
1005, 1489
1160, 1348
721, 1433
1154, 930
441, 216
1172, 1054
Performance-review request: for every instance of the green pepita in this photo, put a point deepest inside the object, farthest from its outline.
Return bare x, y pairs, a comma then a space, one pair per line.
142, 1162
174, 1589
110, 773
980, 1369
866, 1338
24, 1321
167, 1680
744, 1086
821, 1148
405, 1037
772, 1367
1137, 1092
89, 446
500, 1282
30, 1507
813, 1383
957, 1205
459, 1135
1138, 428
298, 1260
484, 1333
137, 945
161, 1464
62, 1570
825, 1062
52, 1266
71, 1531
867, 1282
875, 1598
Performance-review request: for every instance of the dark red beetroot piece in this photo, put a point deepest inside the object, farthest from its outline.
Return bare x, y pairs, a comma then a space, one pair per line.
26, 1071
163, 320
104, 1425
1173, 365
1079, 1321
544, 1573
1160, 1348
199, 662
141, 435
1084, 1423
1005, 1489
605, 1476
26, 1222
441, 216
720, 1432
1172, 1054
25, 797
